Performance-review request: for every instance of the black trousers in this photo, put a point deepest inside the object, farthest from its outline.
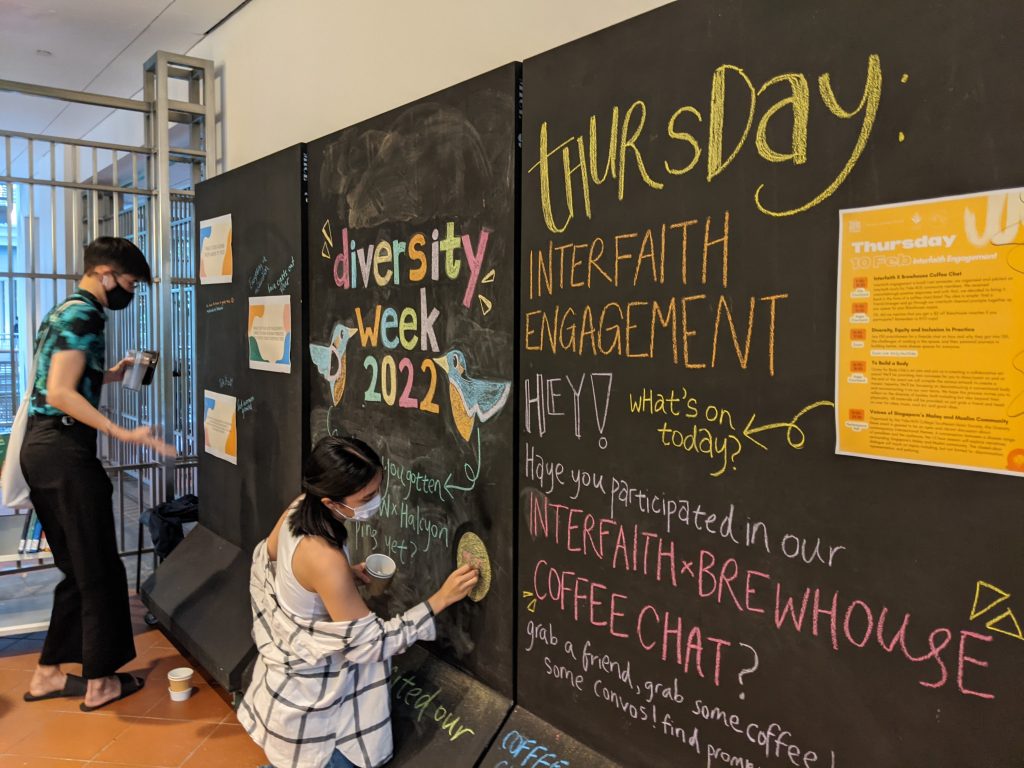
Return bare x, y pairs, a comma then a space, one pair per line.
91, 619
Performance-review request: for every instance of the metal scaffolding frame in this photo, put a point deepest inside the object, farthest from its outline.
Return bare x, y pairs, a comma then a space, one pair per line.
61, 193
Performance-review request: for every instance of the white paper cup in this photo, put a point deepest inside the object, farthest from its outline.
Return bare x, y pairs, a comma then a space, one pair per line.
179, 683
180, 695
381, 570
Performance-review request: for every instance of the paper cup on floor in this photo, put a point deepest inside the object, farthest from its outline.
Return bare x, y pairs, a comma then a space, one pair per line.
180, 695
179, 683
381, 570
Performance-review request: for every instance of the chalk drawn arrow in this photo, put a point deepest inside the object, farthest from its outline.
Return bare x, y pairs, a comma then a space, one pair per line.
471, 473
794, 434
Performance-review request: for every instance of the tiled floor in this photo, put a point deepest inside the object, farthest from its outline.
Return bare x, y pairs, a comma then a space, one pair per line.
145, 729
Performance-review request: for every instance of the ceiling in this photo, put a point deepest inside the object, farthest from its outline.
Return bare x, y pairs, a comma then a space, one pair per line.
98, 46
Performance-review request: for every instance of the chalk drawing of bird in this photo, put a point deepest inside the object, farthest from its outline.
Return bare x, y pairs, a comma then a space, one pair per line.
471, 398
330, 359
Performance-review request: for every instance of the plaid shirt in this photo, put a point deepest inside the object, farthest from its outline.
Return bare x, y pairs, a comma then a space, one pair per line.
322, 685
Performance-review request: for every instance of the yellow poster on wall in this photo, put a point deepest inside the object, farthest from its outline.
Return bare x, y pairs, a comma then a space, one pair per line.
930, 342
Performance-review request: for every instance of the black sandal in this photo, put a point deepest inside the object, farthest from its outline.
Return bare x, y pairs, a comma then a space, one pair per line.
129, 685
74, 687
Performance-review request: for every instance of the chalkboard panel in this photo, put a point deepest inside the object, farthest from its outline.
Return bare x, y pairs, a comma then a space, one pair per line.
200, 596
266, 201
412, 237
526, 740
439, 715
703, 582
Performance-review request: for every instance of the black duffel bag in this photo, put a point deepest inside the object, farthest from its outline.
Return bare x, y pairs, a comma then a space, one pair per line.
165, 522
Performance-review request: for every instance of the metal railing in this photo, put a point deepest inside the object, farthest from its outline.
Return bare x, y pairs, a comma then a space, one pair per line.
61, 193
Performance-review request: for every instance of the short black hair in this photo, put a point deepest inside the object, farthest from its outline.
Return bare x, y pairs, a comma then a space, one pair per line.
123, 255
337, 467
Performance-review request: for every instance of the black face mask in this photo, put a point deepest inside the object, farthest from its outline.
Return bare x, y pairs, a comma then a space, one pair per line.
118, 297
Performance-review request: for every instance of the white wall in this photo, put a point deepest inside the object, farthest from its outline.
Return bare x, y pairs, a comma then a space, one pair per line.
295, 70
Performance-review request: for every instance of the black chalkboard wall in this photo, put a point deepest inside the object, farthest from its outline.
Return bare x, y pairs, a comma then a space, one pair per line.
658, 584
526, 740
412, 236
266, 200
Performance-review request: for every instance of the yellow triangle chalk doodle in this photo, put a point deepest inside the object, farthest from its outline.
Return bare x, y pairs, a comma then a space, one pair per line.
326, 229
489, 277
532, 605
325, 252
1007, 615
975, 611
485, 304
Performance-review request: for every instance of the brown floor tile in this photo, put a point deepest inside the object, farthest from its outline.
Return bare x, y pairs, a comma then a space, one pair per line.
14, 680
20, 655
228, 747
60, 704
232, 719
151, 742
78, 736
155, 656
147, 638
156, 653
15, 717
203, 705
12, 761
144, 729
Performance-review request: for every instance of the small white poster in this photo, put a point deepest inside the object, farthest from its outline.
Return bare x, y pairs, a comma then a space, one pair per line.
219, 426
270, 333
215, 264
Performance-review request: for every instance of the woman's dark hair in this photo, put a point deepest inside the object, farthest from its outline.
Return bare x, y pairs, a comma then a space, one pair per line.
123, 255
337, 467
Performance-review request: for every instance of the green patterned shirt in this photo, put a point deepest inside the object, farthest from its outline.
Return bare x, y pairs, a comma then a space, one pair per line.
76, 323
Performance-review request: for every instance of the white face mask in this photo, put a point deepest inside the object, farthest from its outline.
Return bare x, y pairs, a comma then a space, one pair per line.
366, 510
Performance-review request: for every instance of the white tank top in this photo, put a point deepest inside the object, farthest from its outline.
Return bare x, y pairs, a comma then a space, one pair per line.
295, 598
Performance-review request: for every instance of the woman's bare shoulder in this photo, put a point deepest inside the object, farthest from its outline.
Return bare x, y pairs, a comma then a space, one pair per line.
319, 552
275, 534
319, 566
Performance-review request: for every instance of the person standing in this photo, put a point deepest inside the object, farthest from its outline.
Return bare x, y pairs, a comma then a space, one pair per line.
69, 488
